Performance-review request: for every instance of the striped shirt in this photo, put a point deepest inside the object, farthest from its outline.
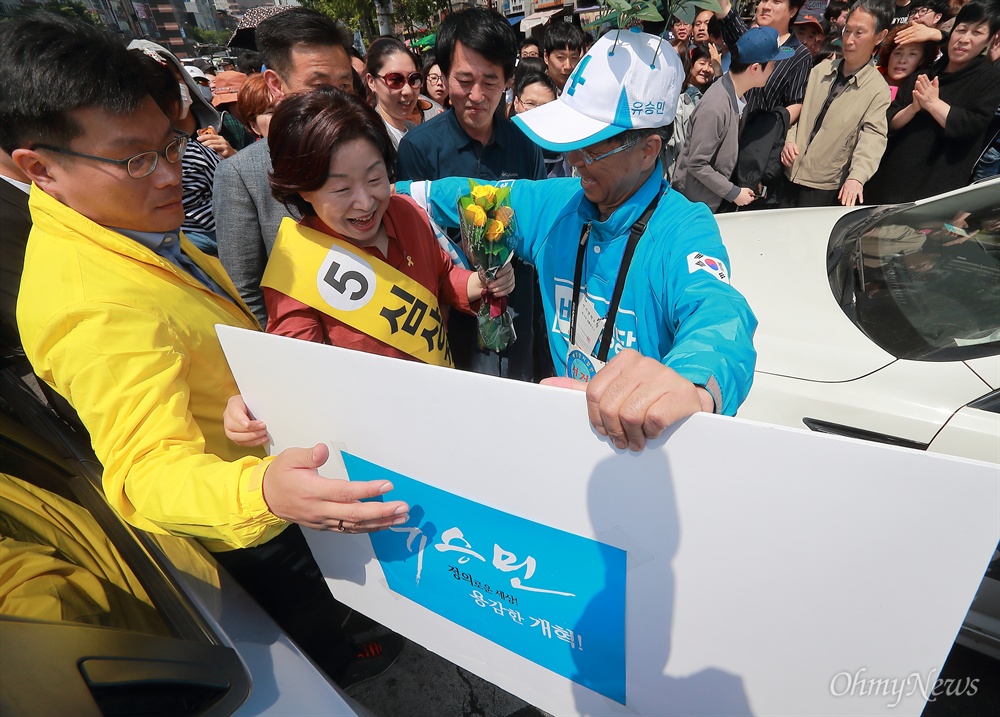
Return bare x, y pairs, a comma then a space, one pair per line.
787, 83
198, 165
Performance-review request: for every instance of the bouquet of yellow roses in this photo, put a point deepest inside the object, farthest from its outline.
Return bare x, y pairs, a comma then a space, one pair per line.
488, 237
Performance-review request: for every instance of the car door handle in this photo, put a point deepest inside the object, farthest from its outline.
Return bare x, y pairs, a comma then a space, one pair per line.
838, 429
143, 686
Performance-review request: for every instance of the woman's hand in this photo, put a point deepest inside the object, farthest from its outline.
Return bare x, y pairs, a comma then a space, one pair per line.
479, 287
503, 284
241, 428
925, 91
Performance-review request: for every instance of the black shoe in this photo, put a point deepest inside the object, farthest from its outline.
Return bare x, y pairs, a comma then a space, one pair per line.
372, 657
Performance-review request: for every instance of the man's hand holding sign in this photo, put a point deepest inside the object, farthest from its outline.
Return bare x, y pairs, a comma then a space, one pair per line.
634, 398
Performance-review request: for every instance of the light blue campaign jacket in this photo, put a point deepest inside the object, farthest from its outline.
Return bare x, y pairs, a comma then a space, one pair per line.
677, 304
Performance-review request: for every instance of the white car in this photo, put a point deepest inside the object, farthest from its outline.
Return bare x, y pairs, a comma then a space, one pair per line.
881, 323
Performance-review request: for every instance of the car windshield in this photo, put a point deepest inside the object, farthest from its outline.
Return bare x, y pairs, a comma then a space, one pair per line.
923, 281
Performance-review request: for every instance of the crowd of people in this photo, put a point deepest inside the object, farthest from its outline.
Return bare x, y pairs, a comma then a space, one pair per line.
832, 122
163, 199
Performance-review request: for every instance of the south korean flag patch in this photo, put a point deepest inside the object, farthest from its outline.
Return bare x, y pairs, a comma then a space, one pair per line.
715, 267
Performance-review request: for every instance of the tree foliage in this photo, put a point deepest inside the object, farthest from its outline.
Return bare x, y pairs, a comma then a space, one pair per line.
361, 14
353, 14
414, 14
211, 37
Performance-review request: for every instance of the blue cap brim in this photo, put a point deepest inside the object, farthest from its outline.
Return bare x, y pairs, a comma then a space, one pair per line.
784, 53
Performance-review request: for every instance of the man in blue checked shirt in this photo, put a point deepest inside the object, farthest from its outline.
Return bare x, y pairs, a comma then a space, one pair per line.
634, 277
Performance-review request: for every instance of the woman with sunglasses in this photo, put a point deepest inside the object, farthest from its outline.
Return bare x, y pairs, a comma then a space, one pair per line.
394, 81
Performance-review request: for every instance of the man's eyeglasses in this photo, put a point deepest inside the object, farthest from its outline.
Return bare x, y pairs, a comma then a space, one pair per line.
588, 158
435, 78
396, 80
529, 104
138, 165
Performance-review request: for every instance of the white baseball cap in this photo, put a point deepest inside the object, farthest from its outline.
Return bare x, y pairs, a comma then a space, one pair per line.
196, 72
628, 80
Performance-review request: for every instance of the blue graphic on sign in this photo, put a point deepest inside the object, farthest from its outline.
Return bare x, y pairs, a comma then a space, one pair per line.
552, 597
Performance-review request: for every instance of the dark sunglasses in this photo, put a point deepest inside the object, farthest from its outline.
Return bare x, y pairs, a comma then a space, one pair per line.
396, 80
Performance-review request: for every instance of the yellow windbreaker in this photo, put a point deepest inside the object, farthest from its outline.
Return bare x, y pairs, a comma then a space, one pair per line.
129, 340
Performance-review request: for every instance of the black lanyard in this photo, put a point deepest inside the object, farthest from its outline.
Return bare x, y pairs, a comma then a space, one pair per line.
609, 323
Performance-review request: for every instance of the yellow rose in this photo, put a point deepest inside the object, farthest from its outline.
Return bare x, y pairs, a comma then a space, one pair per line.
504, 214
475, 215
494, 230
484, 195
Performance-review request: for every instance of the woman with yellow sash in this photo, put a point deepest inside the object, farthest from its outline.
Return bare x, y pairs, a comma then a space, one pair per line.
362, 269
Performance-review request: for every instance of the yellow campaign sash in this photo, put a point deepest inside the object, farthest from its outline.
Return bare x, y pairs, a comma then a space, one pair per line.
335, 277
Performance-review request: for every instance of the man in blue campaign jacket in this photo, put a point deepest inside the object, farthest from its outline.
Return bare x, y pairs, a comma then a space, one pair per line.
678, 338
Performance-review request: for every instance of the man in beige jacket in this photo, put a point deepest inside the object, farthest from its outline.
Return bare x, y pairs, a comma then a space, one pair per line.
836, 145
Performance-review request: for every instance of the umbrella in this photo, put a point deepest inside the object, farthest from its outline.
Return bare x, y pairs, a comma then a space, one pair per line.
425, 41
244, 35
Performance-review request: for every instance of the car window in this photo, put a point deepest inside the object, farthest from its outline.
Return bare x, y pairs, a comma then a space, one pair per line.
62, 561
60, 566
926, 278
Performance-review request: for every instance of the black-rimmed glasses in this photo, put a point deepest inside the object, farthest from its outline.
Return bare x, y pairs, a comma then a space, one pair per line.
138, 165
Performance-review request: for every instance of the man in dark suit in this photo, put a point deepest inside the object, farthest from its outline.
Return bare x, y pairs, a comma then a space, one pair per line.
302, 49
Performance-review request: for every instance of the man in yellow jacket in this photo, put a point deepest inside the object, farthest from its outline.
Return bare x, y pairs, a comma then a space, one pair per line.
117, 309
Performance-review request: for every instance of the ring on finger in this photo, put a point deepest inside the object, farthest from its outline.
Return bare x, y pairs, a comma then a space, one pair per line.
340, 526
